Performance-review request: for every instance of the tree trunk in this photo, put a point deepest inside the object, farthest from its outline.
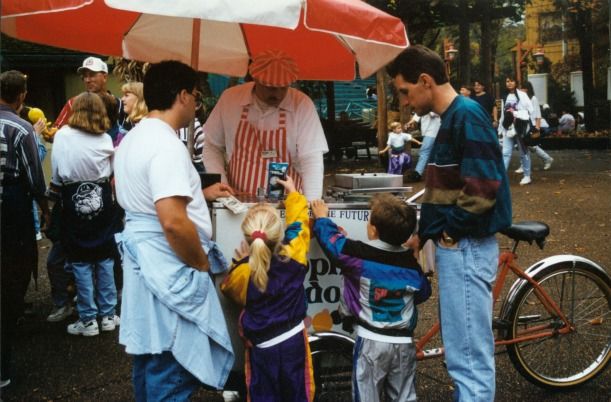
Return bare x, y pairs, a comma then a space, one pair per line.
485, 52
464, 70
583, 20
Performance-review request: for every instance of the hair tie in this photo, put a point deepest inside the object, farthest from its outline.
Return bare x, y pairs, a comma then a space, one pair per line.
257, 234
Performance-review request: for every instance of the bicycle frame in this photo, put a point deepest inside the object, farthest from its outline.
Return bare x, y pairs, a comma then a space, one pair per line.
507, 262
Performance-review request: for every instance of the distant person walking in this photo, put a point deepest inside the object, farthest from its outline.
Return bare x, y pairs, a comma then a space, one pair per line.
537, 121
516, 111
486, 100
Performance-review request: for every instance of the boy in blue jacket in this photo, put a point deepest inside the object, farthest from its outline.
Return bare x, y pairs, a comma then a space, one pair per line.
382, 285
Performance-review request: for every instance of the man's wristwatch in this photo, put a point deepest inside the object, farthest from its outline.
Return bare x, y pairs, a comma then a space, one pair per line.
447, 239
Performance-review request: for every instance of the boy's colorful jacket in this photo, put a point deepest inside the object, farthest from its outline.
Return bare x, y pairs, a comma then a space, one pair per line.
382, 283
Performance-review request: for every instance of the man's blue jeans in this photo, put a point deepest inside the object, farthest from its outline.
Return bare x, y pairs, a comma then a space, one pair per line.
160, 377
466, 274
423, 155
58, 277
104, 289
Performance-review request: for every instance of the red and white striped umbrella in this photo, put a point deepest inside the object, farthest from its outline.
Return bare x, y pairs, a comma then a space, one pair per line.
328, 39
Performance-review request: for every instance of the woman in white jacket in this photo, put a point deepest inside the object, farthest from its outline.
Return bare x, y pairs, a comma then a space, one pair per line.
516, 110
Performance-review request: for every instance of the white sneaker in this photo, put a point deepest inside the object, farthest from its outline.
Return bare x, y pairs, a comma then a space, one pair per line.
519, 170
109, 323
5, 383
89, 328
231, 396
38, 236
548, 164
60, 313
525, 180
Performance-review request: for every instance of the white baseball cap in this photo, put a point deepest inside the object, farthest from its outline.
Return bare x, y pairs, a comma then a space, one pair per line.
93, 64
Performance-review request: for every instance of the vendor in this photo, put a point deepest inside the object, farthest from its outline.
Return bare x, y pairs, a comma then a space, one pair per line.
266, 121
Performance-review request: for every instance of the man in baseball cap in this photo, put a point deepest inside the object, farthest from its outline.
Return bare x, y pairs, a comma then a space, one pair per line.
266, 121
94, 73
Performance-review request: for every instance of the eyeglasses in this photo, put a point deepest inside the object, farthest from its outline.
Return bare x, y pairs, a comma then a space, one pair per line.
199, 99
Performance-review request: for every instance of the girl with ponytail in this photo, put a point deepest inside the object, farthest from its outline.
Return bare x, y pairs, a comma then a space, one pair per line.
266, 278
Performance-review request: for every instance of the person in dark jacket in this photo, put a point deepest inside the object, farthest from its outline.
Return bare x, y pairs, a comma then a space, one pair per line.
466, 201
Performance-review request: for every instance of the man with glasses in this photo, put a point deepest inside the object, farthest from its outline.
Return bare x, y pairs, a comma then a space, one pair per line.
198, 135
171, 319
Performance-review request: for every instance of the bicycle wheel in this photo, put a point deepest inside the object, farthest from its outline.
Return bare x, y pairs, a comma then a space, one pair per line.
563, 361
332, 363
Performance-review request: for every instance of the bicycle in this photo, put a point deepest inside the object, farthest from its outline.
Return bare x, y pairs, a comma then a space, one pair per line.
555, 322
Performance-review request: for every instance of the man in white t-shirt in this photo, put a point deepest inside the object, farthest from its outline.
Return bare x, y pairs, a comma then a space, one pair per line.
171, 317
266, 121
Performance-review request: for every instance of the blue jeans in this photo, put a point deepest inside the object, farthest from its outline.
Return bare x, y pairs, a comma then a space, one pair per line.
508, 144
161, 378
58, 277
540, 153
423, 155
466, 275
105, 290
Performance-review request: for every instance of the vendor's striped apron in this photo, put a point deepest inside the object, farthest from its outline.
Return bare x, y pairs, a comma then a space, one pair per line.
247, 168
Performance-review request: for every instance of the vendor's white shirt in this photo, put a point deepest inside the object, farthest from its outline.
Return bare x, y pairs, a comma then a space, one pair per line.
398, 140
305, 134
151, 163
79, 156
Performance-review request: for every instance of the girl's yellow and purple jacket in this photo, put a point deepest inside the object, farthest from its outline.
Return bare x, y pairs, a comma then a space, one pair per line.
283, 304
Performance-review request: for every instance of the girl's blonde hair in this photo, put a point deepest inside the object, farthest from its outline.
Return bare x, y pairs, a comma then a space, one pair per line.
264, 232
392, 126
139, 111
89, 114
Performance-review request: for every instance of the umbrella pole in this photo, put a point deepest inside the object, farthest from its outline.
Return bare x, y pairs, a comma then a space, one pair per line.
195, 33
382, 110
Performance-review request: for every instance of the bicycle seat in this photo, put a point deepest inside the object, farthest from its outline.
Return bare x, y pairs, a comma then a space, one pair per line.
528, 231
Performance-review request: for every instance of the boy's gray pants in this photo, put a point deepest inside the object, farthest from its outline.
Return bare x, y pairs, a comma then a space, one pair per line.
381, 366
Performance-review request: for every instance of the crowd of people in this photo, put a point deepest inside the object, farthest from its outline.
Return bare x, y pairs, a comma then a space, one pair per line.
130, 218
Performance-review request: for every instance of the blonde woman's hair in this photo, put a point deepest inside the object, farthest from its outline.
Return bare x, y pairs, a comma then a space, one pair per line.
89, 114
263, 218
394, 125
139, 111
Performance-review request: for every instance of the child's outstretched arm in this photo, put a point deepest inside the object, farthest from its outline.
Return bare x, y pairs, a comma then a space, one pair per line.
329, 236
297, 232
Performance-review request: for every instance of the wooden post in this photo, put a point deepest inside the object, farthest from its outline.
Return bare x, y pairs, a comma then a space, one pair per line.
519, 63
382, 119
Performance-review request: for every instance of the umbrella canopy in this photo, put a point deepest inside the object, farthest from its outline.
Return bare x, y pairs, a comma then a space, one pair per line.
326, 38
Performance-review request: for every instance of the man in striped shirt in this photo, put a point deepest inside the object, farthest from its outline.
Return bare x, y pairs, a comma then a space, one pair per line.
466, 201
22, 181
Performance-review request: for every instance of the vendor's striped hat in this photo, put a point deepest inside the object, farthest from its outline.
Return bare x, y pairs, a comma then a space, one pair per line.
274, 68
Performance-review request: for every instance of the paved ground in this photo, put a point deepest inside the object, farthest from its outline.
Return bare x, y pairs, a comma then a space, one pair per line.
572, 197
